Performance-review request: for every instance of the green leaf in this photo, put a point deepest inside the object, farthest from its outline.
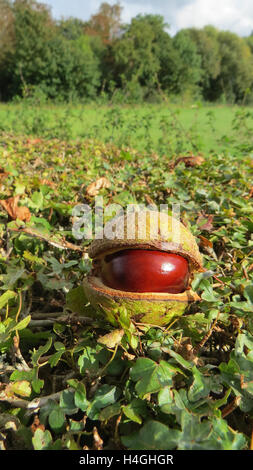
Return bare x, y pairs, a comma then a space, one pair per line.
150, 376
195, 434
110, 411
225, 438
135, 410
76, 300
208, 294
56, 419
80, 397
37, 385
54, 359
41, 439
199, 388
248, 293
106, 395
13, 274
152, 436
185, 364
88, 361
41, 351
36, 201
67, 402
23, 323
4, 298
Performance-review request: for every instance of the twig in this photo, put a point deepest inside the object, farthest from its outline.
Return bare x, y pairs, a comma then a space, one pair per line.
39, 323
18, 354
50, 321
231, 407
36, 403
64, 245
43, 316
206, 337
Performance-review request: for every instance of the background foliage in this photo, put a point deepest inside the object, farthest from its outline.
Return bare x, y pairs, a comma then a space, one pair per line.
72, 60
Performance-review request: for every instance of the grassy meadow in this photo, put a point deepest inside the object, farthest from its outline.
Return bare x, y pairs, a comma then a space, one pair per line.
151, 127
70, 381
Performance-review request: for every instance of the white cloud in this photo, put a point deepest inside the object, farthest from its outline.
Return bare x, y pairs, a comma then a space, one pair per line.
233, 15
132, 9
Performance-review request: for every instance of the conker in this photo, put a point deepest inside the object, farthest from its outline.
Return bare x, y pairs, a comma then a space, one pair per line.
142, 270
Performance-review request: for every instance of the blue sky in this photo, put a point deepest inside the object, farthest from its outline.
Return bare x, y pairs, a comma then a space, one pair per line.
233, 15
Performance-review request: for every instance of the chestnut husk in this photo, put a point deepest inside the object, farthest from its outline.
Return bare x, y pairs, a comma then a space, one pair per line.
158, 308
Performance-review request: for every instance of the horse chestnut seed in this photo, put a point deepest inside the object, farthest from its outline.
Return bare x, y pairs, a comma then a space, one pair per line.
145, 271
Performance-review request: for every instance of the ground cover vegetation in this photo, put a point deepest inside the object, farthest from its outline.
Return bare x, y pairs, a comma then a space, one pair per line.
71, 382
68, 380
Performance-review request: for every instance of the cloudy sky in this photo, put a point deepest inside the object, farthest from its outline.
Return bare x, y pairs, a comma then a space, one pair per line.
233, 15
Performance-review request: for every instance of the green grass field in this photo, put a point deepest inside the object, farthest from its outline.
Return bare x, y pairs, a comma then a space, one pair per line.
160, 128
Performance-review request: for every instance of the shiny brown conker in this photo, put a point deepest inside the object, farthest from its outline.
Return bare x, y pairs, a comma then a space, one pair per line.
142, 270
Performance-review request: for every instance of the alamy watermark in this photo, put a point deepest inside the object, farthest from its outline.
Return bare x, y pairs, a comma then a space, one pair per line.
135, 221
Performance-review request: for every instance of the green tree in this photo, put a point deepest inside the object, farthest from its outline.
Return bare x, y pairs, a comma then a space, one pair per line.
6, 29
71, 28
187, 73
7, 42
60, 65
136, 54
236, 74
207, 44
33, 29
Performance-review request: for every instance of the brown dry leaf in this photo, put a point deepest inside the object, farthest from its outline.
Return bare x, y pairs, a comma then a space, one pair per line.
46, 182
128, 356
15, 211
112, 339
149, 200
94, 188
207, 246
246, 197
3, 174
208, 224
34, 141
191, 161
39, 162
205, 242
97, 441
194, 160
36, 425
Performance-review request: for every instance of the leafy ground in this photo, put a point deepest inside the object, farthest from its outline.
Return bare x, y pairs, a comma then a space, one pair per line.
69, 382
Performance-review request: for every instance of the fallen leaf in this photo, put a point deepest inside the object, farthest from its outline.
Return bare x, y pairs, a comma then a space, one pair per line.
34, 141
47, 183
207, 246
112, 339
97, 441
15, 211
94, 188
205, 242
246, 197
3, 174
36, 425
205, 222
191, 161
149, 200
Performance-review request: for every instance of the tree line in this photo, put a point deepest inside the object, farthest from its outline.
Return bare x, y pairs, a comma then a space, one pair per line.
70, 59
